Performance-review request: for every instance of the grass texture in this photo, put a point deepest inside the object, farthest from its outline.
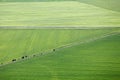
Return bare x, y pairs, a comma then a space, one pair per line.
17, 43
72, 14
90, 61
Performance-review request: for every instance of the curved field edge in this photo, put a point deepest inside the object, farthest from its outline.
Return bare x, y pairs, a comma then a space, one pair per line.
18, 43
90, 61
73, 13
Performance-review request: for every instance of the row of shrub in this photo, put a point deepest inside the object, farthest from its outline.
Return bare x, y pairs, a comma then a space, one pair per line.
24, 57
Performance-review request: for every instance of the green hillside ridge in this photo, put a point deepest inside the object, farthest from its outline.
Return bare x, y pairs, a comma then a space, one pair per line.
90, 61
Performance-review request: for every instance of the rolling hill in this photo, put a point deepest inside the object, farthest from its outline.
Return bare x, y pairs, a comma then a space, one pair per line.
59, 40
90, 61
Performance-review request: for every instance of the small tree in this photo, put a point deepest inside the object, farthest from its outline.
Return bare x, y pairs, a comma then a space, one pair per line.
53, 49
13, 60
26, 56
22, 57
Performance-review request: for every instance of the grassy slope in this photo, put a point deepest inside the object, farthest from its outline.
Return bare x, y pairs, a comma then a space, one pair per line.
107, 4
17, 43
73, 13
95, 60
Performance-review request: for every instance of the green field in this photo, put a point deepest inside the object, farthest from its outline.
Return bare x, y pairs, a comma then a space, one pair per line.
107, 4
61, 39
18, 43
90, 61
53, 13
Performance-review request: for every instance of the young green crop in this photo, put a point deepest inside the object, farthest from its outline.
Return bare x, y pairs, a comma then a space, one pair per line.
17, 43
90, 61
64, 13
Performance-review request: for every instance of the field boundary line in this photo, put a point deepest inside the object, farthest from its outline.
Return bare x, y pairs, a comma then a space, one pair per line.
54, 27
87, 41
64, 46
